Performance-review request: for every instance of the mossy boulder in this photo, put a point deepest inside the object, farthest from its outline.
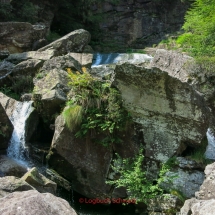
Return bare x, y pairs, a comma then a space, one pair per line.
39, 182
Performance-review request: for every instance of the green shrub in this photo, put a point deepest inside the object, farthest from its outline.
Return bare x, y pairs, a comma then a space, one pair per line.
134, 178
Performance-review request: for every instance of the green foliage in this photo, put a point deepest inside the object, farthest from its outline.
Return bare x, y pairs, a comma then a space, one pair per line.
101, 107
22, 84
9, 92
135, 180
52, 36
199, 27
23, 10
6, 12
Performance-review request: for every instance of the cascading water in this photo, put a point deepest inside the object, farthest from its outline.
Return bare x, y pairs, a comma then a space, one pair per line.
210, 151
17, 148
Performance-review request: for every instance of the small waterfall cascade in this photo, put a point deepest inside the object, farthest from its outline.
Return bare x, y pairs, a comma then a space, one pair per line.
17, 148
114, 58
210, 151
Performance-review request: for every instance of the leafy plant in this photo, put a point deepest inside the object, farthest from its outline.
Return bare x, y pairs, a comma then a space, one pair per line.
95, 106
9, 92
134, 178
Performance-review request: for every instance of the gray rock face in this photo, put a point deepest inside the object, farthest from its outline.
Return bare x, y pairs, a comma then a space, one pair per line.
20, 36
61, 62
9, 184
19, 57
39, 181
5, 68
84, 59
207, 190
32, 202
50, 91
84, 163
75, 41
6, 129
170, 112
205, 197
188, 182
8, 104
164, 203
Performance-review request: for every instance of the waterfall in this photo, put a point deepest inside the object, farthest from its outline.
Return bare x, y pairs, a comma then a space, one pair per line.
17, 148
114, 58
210, 151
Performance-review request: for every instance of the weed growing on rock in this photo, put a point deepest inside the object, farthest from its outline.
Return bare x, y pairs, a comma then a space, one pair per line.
94, 106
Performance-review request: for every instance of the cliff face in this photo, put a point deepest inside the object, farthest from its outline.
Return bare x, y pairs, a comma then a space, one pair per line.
114, 25
138, 23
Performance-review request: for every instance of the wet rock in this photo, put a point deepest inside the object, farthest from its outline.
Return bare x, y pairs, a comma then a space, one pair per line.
32, 202
187, 182
75, 41
39, 181
20, 36
170, 112
10, 184
10, 167
6, 129
164, 204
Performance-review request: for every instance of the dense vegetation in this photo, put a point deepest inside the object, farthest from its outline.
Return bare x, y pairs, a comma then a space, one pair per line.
199, 28
94, 107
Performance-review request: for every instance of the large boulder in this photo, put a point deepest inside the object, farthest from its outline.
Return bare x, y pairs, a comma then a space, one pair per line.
20, 36
9, 167
39, 181
10, 184
81, 161
6, 129
75, 41
171, 113
51, 91
32, 202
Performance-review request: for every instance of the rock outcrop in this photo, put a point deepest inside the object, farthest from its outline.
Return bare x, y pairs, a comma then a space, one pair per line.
6, 129
172, 114
39, 181
75, 41
20, 36
205, 197
10, 184
32, 202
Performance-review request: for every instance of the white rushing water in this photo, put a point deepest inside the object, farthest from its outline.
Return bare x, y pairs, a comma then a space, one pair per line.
17, 148
210, 151
114, 58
